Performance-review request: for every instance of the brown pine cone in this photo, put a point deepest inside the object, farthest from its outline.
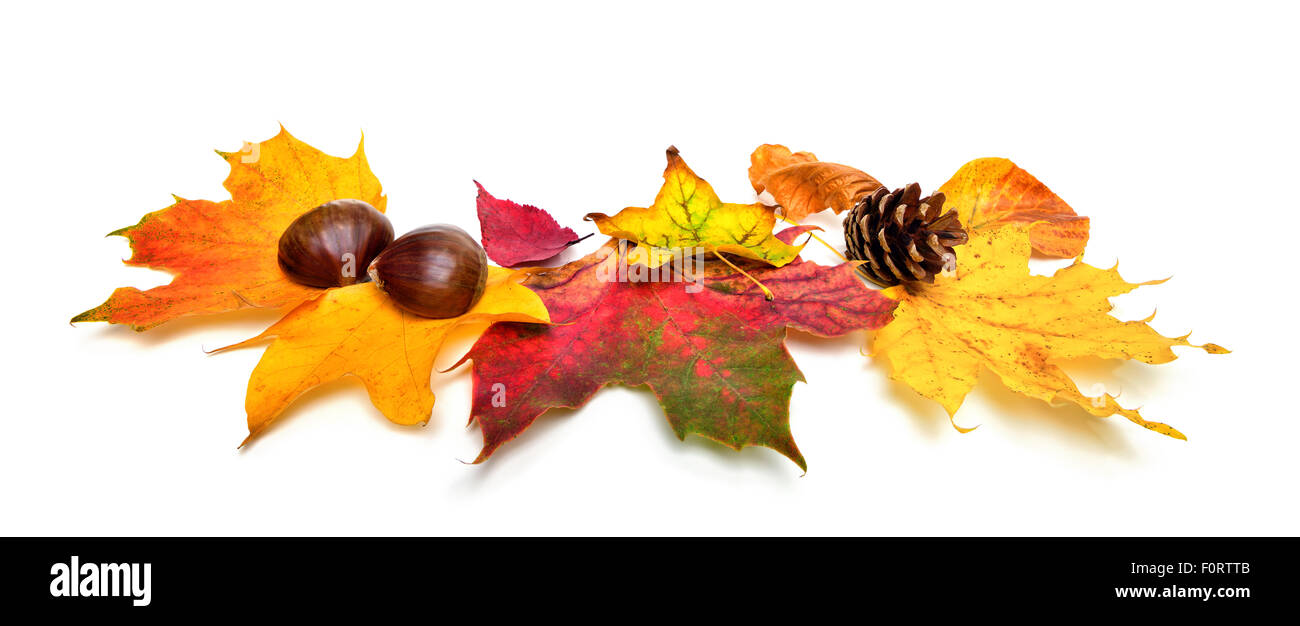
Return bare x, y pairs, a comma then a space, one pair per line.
902, 236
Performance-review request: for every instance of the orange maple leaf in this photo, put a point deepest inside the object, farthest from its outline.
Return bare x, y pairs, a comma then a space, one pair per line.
223, 254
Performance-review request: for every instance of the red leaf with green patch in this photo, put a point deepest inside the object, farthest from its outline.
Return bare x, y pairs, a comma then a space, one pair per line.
707, 343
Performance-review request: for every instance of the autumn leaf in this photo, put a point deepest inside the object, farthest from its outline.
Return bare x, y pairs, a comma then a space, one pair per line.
358, 331
688, 214
516, 234
223, 254
803, 185
990, 192
993, 314
712, 351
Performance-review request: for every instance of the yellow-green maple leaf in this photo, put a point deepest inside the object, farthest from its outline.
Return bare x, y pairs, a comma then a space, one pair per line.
688, 214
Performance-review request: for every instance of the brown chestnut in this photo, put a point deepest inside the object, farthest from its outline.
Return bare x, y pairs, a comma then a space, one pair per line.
436, 271
325, 246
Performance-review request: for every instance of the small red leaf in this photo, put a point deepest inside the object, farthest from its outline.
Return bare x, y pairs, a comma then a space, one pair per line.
788, 234
515, 234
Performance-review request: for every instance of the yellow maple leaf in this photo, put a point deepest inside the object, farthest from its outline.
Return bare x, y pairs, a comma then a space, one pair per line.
688, 214
358, 331
993, 314
223, 254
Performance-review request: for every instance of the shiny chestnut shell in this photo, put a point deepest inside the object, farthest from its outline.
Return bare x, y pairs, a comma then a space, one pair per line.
436, 271
314, 248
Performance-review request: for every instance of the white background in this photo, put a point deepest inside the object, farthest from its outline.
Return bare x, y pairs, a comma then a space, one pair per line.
1172, 125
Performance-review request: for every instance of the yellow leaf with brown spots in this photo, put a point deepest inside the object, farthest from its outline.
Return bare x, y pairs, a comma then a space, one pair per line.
993, 314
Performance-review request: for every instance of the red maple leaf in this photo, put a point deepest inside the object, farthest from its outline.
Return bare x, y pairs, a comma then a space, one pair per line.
711, 347
515, 234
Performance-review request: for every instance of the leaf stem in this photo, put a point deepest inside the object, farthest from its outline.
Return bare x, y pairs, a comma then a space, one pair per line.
767, 293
